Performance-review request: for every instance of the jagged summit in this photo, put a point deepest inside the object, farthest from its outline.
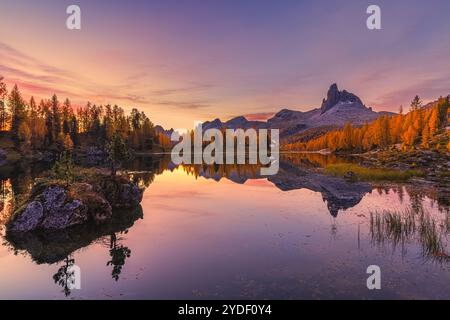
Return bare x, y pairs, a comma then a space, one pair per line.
334, 97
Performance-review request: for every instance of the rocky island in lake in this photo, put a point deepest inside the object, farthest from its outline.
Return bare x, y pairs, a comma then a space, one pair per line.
52, 205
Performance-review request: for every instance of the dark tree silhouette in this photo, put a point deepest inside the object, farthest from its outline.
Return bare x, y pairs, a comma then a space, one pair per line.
118, 152
119, 254
64, 277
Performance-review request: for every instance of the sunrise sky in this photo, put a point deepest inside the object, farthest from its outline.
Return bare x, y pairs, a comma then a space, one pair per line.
187, 60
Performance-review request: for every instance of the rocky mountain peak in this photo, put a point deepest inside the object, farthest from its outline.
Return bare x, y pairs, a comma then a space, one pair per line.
334, 96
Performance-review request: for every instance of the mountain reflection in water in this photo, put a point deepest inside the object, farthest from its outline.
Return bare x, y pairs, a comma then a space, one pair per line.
423, 222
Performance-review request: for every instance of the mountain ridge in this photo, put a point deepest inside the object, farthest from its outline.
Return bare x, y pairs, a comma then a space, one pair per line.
336, 109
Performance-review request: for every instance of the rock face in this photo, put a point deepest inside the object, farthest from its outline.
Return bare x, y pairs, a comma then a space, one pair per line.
50, 210
30, 218
66, 215
56, 207
338, 108
334, 96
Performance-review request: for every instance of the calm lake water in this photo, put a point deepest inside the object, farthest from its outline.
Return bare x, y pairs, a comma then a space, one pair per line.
209, 232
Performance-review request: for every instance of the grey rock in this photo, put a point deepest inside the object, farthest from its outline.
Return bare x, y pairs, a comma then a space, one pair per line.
129, 196
49, 210
52, 209
53, 198
70, 214
30, 218
100, 209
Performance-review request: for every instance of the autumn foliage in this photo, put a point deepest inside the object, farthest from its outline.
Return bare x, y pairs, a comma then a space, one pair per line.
418, 128
54, 125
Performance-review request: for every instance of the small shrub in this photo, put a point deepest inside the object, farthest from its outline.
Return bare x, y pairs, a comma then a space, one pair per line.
63, 168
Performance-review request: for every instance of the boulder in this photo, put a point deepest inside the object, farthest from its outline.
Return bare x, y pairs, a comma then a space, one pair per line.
56, 206
50, 210
52, 246
70, 214
28, 219
120, 192
99, 209
53, 198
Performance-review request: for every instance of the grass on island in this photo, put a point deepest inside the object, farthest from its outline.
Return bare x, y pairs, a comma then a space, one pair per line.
371, 174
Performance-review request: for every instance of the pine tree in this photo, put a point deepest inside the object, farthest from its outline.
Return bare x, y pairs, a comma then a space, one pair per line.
118, 152
74, 129
4, 115
56, 118
345, 142
24, 135
433, 121
425, 137
18, 110
64, 168
66, 116
416, 103
48, 120
33, 120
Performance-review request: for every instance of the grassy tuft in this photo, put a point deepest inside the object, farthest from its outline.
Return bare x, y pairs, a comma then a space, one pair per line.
371, 174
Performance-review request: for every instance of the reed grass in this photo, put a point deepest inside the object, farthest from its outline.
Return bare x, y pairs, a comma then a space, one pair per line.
398, 228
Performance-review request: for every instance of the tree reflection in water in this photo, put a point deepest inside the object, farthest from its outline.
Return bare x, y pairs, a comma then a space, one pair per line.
65, 276
119, 254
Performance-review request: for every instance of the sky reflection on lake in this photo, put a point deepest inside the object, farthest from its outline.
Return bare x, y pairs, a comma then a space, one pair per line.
201, 238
